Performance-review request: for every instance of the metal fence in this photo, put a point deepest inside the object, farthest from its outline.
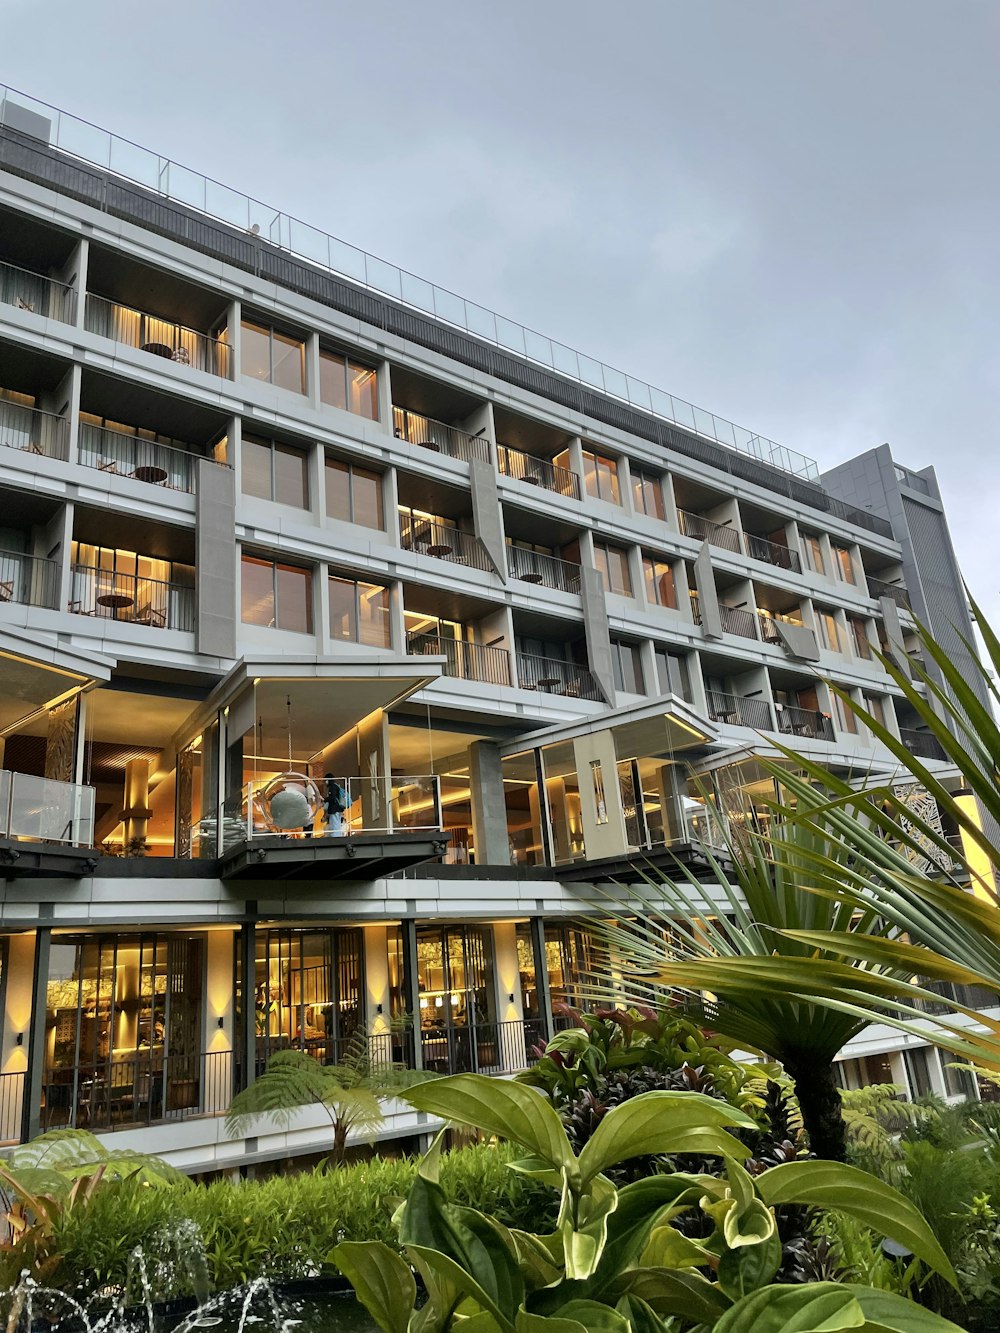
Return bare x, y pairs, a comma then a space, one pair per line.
143, 1089
37, 293
31, 580
806, 722
114, 452
552, 676
33, 431
108, 595
159, 337
463, 660
740, 711
537, 471
738, 620
438, 436
707, 530
548, 570
442, 542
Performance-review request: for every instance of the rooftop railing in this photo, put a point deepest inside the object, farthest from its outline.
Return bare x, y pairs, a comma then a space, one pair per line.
552, 676
114, 452
438, 436
159, 337
547, 570
26, 290
738, 710
33, 431
29, 580
537, 471
109, 595
191, 189
463, 660
46, 810
442, 542
879, 588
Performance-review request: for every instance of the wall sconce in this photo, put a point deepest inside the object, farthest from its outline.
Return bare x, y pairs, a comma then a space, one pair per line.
510, 997
378, 1008
20, 1039
221, 1022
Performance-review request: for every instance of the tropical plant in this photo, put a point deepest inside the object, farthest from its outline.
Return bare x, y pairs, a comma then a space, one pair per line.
350, 1092
615, 1262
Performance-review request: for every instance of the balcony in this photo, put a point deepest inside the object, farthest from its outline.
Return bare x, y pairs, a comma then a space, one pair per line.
707, 530
808, 723
442, 542
463, 660
922, 744
131, 598
28, 580
44, 810
438, 436
159, 337
41, 295
33, 431
149, 1088
547, 570
772, 553
114, 452
552, 676
738, 620
738, 710
537, 471
879, 588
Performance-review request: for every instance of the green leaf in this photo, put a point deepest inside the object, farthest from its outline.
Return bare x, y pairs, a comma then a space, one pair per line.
818, 1307
886, 1310
537, 1259
640, 1206
862, 1196
583, 1224
594, 1317
744, 1270
752, 1225
539, 1323
669, 1248
669, 1292
497, 1106
655, 1122
381, 1280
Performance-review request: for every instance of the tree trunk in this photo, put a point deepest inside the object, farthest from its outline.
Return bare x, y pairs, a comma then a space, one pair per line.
339, 1142
819, 1101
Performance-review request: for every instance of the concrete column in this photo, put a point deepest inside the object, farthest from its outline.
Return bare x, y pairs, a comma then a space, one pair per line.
245, 1036
17, 994
31, 1115
486, 515
216, 560
669, 502
374, 768
625, 484
411, 986
604, 831
542, 974
218, 1042
384, 382
312, 369
234, 315
489, 811
510, 1010
704, 582
894, 635
671, 787
316, 470
598, 635
82, 257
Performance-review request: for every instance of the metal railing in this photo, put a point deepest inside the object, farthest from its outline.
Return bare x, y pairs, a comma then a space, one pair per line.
484, 1048
768, 627
548, 570
922, 744
740, 711
772, 553
33, 431
879, 588
11, 1106
807, 722
552, 676
131, 598
438, 436
952, 993
463, 660
380, 804
442, 542
30, 580
738, 620
148, 1088
124, 455
42, 295
537, 471
45, 809
707, 530
160, 337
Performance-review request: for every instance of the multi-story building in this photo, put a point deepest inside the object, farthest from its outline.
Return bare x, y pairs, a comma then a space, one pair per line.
348, 631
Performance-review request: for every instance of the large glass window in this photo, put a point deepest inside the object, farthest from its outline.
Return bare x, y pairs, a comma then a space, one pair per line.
354, 494
672, 673
829, 631
457, 1001
527, 968
859, 637
612, 563
570, 961
626, 665
308, 991
842, 563
274, 471
647, 493
600, 477
562, 793
524, 812
359, 612
345, 384
273, 357
813, 553
658, 579
276, 595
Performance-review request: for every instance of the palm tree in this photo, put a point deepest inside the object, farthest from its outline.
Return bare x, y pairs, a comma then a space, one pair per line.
720, 928
350, 1092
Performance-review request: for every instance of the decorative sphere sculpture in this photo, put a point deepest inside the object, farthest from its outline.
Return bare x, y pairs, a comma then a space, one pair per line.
290, 801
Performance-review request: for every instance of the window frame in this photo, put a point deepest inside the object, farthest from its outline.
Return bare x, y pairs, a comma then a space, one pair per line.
843, 563
603, 466
652, 581
332, 463
601, 553
812, 553
643, 483
335, 576
277, 566
292, 339
618, 647
274, 447
350, 366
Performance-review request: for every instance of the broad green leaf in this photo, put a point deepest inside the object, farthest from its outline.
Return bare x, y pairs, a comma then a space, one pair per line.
669, 1292
497, 1106
863, 1196
583, 1224
456, 1276
483, 1322
670, 1248
594, 1317
540, 1323
744, 1270
539, 1258
381, 1280
817, 1307
641, 1206
886, 1310
655, 1122
751, 1226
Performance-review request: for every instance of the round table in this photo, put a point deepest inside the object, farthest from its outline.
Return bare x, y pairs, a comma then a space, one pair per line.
439, 549
429, 444
158, 349
151, 474
116, 601
530, 578
547, 682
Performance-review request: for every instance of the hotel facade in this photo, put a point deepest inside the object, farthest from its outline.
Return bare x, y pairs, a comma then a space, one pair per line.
349, 635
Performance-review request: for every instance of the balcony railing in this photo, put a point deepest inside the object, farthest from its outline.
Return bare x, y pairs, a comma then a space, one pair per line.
124, 455
922, 744
807, 722
46, 810
463, 660
547, 570
740, 711
772, 553
25, 290
438, 436
483, 1048
552, 676
537, 471
879, 588
707, 530
148, 1088
30, 580
132, 598
738, 620
11, 1106
33, 431
160, 337
442, 542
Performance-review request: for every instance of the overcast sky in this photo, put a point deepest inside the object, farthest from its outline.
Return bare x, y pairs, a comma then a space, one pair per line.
786, 211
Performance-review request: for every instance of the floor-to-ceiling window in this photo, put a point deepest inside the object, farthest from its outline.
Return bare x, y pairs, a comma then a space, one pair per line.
308, 990
457, 998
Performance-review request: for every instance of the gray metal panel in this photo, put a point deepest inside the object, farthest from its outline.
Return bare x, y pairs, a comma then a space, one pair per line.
217, 559
595, 623
489, 811
708, 598
797, 640
486, 513
894, 634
